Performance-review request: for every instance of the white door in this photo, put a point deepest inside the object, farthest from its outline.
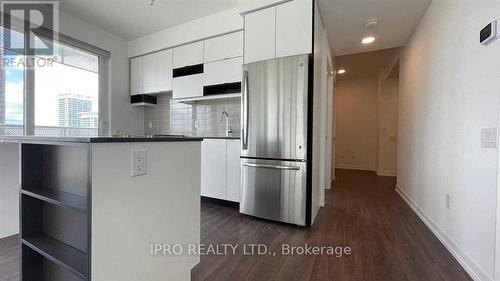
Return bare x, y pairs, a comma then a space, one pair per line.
294, 28
213, 168
260, 32
233, 170
149, 63
136, 76
329, 130
164, 71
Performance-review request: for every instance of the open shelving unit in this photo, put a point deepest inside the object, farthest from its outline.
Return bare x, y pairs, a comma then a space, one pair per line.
55, 211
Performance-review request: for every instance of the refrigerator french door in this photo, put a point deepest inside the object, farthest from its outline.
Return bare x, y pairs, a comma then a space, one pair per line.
274, 139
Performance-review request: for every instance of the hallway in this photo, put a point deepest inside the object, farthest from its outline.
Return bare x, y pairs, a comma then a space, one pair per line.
388, 241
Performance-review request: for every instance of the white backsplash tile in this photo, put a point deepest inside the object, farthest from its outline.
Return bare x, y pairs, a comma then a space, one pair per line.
199, 119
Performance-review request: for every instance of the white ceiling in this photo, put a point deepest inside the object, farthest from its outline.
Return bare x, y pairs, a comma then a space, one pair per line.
130, 19
344, 21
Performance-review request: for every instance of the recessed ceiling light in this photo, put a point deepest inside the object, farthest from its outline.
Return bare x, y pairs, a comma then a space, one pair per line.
341, 71
368, 40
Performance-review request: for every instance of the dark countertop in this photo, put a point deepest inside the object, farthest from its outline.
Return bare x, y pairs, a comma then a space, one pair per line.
221, 137
35, 139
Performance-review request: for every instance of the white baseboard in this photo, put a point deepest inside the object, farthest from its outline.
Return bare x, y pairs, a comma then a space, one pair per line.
322, 201
465, 261
5, 235
349, 167
386, 173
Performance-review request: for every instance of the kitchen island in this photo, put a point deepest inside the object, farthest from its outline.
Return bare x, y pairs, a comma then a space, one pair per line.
90, 209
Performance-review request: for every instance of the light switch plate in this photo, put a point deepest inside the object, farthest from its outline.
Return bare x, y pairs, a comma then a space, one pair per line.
489, 137
138, 162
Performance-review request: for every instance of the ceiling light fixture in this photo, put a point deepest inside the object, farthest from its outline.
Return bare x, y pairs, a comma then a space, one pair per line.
368, 40
370, 26
341, 71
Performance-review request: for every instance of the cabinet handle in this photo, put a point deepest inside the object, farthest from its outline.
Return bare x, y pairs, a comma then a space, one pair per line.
267, 166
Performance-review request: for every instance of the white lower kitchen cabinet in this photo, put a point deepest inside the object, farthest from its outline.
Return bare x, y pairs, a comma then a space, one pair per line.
233, 171
220, 169
213, 168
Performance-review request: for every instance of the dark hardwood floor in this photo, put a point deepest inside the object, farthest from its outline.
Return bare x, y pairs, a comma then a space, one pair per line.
388, 241
362, 212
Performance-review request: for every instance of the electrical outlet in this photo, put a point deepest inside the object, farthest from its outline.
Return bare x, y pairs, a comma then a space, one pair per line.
139, 166
448, 201
489, 137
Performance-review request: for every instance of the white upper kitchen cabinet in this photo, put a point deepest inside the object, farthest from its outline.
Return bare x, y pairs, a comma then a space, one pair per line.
224, 71
190, 54
294, 27
164, 70
223, 47
188, 86
136, 76
149, 69
233, 170
260, 35
213, 168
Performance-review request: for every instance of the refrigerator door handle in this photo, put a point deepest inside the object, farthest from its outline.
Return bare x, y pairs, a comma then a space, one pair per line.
278, 167
245, 105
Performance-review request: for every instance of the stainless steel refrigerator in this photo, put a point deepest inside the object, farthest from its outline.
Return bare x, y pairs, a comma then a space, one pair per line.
274, 155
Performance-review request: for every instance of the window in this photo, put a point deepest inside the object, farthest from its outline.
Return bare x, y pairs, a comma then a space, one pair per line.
67, 94
62, 95
11, 89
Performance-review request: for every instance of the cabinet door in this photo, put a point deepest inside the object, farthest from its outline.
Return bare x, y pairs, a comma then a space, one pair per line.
188, 86
224, 71
136, 76
189, 54
223, 47
149, 63
164, 73
213, 168
233, 170
294, 28
260, 35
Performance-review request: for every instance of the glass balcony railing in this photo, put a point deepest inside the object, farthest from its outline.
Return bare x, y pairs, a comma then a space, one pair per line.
46, 131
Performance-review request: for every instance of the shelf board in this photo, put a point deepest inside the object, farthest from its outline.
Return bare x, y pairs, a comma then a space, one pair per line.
58, 197
207, 98
60, 253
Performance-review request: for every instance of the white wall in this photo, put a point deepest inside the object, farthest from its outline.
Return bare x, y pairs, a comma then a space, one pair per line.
387, 127
449, 90
123, 116
9, 189
321, 57
209, 26
356, 123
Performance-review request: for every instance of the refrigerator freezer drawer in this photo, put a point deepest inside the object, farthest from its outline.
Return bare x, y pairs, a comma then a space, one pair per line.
274, 190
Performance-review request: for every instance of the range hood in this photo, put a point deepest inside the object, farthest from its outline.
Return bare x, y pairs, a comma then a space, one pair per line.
143, 100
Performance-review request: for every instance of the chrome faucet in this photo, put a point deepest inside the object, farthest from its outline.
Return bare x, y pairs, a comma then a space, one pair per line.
228, 127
